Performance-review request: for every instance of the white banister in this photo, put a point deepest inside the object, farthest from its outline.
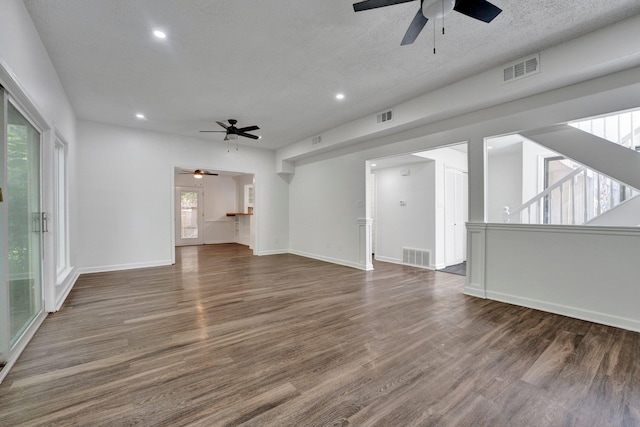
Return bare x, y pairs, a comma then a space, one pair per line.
597, 198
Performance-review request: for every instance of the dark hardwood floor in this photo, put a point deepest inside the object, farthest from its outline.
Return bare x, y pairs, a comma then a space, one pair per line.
226, 338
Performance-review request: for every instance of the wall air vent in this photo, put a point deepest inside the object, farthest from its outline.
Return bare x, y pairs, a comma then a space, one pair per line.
522, 68
383, 117
316, 140
416, 257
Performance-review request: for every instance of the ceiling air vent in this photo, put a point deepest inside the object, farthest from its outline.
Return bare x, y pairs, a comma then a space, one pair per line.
522, 68
386, 116
316, 140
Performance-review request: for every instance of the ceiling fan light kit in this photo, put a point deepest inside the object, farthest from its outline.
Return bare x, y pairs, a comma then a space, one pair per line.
481, 10
232, 132
197, 174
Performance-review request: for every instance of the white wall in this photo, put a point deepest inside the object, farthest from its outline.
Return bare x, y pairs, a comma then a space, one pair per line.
326, 199
412, 225
504, 181
126, 192
585, 272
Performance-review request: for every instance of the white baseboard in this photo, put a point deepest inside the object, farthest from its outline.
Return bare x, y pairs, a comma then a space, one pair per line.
106, 268
474, 291
388, 259
569, 311
273, 252
331, 260
245, 242
64, 288
218, 242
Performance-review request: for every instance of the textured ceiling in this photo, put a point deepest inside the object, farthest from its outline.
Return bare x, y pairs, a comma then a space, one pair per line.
277, 63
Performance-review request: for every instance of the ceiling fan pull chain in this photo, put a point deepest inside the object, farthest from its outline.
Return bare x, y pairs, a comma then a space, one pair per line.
434, 36
443, 17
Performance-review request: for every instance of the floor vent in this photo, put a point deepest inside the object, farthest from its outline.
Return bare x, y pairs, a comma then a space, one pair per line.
416, 257
386, 116
522, 68
316, 140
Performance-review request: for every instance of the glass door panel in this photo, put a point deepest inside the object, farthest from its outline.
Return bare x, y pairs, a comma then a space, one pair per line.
189, 214
22, 196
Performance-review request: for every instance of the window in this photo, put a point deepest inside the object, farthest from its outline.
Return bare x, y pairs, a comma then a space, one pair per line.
60, 206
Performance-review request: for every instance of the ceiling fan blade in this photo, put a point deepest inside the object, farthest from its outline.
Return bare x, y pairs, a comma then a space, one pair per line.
373, 4
248, 135
248, 129
224, 125
209, 173
418, 23
223, 131
478, 9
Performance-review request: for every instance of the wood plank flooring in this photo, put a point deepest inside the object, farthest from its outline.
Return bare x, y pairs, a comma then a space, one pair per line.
226, 338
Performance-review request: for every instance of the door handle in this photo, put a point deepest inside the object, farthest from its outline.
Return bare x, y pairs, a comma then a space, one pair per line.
45, 222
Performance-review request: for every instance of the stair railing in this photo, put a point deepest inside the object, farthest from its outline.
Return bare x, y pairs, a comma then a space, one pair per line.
583, 195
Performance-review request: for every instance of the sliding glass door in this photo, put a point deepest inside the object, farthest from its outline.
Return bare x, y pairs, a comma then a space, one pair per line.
22, 224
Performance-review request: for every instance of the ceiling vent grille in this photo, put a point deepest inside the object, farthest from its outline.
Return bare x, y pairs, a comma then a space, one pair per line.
386, 116
316, 140
522, 68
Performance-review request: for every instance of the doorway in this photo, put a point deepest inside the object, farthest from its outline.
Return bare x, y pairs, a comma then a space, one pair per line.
417, 205
214, 208
189, 216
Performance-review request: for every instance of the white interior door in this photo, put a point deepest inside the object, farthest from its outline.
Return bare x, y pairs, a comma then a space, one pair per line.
456, 214
189, 216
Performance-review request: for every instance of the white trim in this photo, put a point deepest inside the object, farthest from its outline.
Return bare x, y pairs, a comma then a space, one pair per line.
273, 252
330, 260
388, 259
476, 260
365, 237
64, 289
571, 229
474, 291
118, 267
569, 311
15, 89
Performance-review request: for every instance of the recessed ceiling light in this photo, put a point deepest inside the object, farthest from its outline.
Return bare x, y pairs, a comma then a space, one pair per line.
140, 116
340, 96
160, 34
374, 165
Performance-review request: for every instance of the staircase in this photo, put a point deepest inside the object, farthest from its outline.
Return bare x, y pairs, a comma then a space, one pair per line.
608, 144
578, 198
